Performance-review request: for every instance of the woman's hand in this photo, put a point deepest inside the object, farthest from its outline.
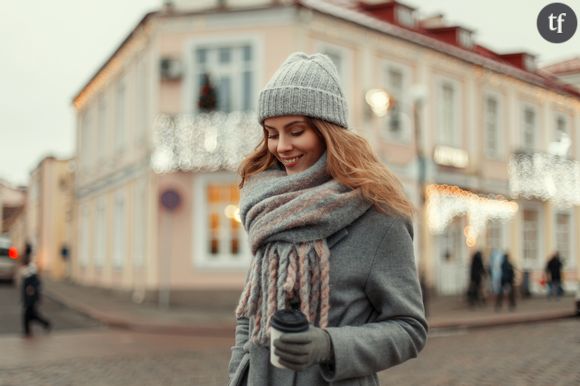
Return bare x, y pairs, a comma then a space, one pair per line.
298, 351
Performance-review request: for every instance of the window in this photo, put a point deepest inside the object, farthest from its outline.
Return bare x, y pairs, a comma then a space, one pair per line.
491, 127
220, 240
102, 129
86, 139
563, 240
405, 16
101, 235
119, 232
493, 236
561, 128
530, 239
223, 220
84, 244
140, 212
336, 58
120, 122
342, 62
448, 110
529, 129
451, 242
397, 119
231, 72
141, 107
465, 38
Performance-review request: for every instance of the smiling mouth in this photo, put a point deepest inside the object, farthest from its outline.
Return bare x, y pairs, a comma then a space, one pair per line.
291, 161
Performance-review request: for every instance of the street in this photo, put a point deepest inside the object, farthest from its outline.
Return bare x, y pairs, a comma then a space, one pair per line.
62, 317
79, 352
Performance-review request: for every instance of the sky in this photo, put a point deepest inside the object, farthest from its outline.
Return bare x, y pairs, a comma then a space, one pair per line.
50, 49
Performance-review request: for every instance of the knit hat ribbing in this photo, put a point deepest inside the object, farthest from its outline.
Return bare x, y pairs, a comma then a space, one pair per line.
304, 85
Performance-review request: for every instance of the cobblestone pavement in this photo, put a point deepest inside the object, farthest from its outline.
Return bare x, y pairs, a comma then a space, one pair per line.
536, 354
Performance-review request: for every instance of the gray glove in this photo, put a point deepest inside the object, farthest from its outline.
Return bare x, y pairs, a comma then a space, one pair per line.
298, 351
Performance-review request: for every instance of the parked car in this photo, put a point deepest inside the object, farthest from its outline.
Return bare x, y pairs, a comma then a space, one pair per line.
8, 260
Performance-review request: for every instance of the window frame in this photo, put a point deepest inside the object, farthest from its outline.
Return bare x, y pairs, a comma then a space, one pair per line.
538, 261
499, 152
100, 246
570, 262
190, 93
406, 112
345, 70
119, 231
120, 114
200, 237
522, 129
84, 250
456, 139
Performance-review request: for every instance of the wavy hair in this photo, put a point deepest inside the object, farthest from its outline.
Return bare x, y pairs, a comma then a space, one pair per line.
350, 161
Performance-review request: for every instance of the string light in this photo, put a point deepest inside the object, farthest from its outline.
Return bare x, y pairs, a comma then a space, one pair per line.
545, 177
445, 202
208, 141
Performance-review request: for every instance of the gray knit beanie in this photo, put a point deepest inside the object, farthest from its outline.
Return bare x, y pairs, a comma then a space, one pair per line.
304, 85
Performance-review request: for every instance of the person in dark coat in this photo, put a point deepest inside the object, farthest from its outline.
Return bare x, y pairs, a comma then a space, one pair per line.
507, 284
31, 297
476, 274
554, 272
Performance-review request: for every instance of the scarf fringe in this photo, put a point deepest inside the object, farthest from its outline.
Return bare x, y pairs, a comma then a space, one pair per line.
280, 273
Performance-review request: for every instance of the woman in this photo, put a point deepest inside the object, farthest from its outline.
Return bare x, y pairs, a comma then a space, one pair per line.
330, 231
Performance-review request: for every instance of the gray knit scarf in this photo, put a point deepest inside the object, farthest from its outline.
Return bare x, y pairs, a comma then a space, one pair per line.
288, 219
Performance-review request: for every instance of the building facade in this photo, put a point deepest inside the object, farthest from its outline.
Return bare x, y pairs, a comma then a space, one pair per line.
12, 213
49, 222
467, 130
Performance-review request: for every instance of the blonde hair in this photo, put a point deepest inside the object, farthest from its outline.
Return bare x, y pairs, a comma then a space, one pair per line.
350, 161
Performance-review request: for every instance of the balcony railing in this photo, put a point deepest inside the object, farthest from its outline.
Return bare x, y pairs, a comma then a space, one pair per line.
208, 142
548, 177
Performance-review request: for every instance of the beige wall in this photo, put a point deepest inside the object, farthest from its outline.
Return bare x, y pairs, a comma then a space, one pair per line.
49, 214
111, 171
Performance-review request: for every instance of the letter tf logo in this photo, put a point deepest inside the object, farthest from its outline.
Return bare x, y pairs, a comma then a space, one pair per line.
560, 21
557, 22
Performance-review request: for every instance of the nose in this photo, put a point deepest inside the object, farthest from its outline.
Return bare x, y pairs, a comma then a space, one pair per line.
284, 144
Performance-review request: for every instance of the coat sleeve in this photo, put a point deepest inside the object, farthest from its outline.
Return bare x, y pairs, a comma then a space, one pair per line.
242, 333
399, 330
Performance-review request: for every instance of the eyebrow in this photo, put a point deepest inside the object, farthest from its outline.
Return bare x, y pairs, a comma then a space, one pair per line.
286, 125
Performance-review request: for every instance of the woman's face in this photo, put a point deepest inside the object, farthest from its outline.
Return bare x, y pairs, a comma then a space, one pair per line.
293, 142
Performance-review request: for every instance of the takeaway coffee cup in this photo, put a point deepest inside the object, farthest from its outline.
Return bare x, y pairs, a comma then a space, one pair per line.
284, 322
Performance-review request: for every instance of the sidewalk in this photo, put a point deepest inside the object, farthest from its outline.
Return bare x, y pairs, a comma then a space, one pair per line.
445, 312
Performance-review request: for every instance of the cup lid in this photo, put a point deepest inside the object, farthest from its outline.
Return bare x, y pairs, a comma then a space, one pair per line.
289, 321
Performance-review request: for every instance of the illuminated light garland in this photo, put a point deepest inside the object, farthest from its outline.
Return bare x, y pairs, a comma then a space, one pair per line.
546, 177
445, 202
208, 141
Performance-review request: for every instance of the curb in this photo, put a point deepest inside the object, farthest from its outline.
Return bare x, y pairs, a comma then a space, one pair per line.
222, 329
205, 330
500, 320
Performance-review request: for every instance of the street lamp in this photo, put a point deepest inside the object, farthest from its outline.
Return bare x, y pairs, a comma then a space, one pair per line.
379, 101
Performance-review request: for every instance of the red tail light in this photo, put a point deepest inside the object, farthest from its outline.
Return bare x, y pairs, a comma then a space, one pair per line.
13, 252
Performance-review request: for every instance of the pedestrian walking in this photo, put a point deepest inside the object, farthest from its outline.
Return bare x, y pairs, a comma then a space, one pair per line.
476, 274
31, 296
554, 279
507, 284
329, 228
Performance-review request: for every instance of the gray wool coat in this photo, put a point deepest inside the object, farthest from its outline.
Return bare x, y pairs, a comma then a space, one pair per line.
376, 317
